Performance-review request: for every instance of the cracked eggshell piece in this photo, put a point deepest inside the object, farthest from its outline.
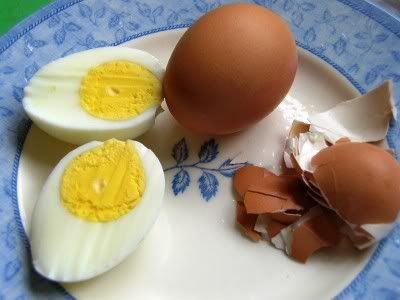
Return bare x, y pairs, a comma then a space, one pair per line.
362, 119
249, 175
315, 230
360, 181
246, 222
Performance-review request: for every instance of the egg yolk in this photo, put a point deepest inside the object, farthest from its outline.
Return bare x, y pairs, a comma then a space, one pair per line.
104, 183
119, 90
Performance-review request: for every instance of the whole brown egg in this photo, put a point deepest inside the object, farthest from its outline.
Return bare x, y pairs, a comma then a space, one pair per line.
230, 69
360, 181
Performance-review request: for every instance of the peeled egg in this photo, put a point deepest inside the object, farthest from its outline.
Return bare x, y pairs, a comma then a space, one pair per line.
98, 94
96, 206
230, 69
360, 181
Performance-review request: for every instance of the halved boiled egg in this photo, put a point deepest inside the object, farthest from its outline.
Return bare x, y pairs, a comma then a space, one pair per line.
94, 209
98, 94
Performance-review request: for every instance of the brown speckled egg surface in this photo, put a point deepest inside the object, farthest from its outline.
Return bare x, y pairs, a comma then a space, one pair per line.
230, 69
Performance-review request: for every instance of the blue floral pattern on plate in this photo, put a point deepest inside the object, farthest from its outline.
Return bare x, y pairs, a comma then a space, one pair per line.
359, 40
208, 181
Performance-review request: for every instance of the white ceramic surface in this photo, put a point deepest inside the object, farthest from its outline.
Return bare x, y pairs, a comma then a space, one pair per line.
195, 251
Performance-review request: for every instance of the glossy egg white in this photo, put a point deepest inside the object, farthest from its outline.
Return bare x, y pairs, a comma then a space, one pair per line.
66, 248
52, 98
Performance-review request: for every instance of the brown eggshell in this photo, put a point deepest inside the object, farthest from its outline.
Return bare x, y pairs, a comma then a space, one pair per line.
319, 232
288, 217
246, 222
256, 203
360, 181
249, 175
230, 69
274, 227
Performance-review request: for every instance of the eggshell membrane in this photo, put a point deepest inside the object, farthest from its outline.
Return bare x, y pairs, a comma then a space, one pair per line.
230, 69
360, 181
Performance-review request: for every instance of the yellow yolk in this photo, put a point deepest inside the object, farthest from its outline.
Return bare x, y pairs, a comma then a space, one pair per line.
119, 90
104, 183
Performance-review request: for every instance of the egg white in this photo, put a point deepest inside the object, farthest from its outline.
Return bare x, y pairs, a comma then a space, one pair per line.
52, 99
66, 248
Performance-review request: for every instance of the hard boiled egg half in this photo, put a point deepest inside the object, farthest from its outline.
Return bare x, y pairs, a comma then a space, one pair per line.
94, 209
98, 94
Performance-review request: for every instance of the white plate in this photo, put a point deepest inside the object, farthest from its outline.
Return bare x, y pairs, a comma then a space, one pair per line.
195, 250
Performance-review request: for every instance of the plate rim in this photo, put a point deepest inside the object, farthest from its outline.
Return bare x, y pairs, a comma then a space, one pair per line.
370, 10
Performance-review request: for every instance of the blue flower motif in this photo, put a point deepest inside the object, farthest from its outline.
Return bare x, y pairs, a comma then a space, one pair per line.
386, 294
9, 236
396, 55
11, 269
174, 16
208, 182
367, 39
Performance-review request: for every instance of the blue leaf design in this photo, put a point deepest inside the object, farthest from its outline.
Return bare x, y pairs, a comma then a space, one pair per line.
180, 151
85, 10
114, 21
100, 13
7, 70
208, 151
37, 43
10, 236
11, 269
72, 27
327, 16
340, 18
183, 11
97, 44
54, 21
188, 21
18, 93
31, 70
172, 18
379, 38
228, 169
144, 9
288, 5
297, 18
385, 294
340, 46
120, 35
393, 265
214, 5
307, 6
180, 182
310, 36
5, 112
208, 185
395, 77
28, 51
396, 55
157, 11
89, 40
259, 2
361, 35
354, 69
132, 26
59, 36
201, 5
371, 76
362, 45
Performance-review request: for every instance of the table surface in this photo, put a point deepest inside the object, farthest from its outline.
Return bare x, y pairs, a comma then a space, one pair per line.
13, 11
